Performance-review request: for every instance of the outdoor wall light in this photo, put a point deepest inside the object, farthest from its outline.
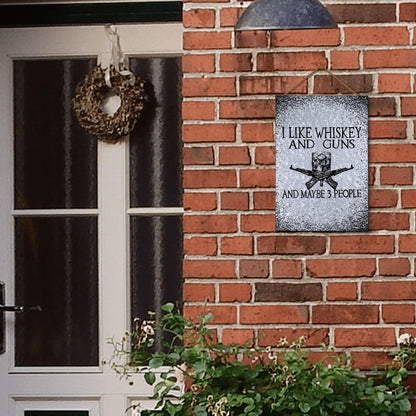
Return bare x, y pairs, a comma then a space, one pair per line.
285, 14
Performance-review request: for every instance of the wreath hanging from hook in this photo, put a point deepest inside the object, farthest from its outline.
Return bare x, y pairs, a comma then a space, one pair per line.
115, 79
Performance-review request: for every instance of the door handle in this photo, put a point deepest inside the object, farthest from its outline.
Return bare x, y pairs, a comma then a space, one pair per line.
4, 308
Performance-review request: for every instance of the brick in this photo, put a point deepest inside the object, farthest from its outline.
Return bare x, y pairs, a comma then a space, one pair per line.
208, 87
247, 109
238, 62
257, 178
393, 83
383, 198
234, 155
198, 156
251, 39
258, 223
288, 292
387, 129
237, 245
391, 58
199, 18
366, 360
392, 153
305, 37
215, 132
235, 292
257, 132
206, 40
396, 175
287, 269
408, 106
290, 61
210, 223
409, 198
235, 201
368, 35
363, 13
222, 314
198, 292
214, 178
240, 336
388, 221
265, 155
291, 245
198, 110
407, 12
394, 266
398, 314
254, 268
407, 243
345, 60
345, 314
199, 201
264, 200
360, 244
365, 337
352, 267
200, 246
198, 63
230, 15
389, 290
206, 269
314, 336
270, 85
381, 106
325, 84
341, 291
273, 314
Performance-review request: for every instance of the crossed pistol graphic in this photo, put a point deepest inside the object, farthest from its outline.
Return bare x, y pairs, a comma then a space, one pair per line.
321, 164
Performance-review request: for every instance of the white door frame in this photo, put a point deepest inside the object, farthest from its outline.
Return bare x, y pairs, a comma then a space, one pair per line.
96, 387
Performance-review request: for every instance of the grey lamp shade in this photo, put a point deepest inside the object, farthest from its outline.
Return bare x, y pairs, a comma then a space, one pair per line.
285, 14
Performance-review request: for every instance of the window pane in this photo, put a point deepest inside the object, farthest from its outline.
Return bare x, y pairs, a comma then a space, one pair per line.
156, 263
55, 159
56, 268
155, 143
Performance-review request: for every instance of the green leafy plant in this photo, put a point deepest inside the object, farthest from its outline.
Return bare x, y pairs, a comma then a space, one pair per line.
194, 374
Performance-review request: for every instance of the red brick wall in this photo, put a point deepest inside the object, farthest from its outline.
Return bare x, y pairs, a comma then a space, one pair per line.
355, 292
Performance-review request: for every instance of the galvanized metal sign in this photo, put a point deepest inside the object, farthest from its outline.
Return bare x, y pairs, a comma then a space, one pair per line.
321, 163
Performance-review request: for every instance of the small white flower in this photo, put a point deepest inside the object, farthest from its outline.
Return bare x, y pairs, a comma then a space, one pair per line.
180, 373
148, 330
404, 339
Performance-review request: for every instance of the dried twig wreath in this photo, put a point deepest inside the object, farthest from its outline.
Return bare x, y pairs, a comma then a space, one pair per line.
88, 104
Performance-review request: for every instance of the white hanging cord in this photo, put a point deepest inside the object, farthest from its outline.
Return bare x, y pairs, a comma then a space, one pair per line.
117, 58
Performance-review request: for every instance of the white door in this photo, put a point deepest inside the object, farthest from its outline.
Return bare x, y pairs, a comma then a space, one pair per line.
88, 230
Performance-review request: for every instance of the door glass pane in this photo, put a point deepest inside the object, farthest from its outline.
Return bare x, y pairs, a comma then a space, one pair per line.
156, 263
155, 143
54, 158
57, 269
56, 413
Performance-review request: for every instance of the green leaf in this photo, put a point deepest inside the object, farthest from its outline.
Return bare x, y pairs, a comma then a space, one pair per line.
304, 407
168, 307
155, 362
404, 405
150, 378
200, 411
